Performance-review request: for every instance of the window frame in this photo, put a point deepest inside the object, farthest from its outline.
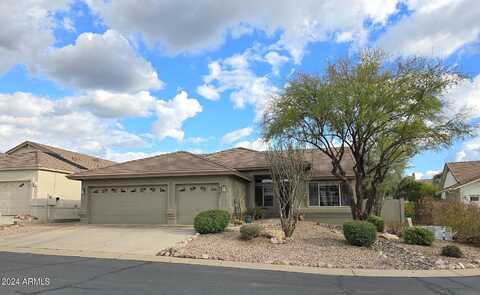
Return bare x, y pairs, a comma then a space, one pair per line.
262, 185
318, 184
477, 196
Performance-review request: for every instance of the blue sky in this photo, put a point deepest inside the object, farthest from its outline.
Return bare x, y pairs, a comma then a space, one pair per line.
125, 81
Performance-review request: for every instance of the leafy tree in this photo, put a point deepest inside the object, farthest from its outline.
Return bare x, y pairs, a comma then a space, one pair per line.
380, 113
412, 190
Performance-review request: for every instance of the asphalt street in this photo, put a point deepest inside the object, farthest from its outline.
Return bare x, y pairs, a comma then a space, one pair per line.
43, 274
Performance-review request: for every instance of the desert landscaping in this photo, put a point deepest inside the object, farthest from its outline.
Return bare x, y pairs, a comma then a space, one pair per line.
321, 245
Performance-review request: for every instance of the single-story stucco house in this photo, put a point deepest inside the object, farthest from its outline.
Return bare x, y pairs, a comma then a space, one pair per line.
461, 182
173, 188
33, 181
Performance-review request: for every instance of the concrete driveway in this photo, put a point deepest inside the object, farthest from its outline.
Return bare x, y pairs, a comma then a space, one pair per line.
126, 239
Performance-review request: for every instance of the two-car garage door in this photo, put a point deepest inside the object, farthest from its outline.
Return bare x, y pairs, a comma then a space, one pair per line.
129, 204
148, 204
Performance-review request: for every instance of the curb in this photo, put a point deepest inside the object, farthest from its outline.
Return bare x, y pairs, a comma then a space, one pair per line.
256, 266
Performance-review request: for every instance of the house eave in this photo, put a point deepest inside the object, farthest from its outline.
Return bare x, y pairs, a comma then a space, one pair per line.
153, 174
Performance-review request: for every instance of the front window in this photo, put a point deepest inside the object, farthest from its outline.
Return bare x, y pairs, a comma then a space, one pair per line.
263, 191
321, 194
474, 198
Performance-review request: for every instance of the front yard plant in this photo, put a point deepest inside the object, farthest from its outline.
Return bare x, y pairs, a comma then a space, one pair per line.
418, 236
250, 231
378, 222
256, 213
211, 221
463, 219
360, 233
452, 251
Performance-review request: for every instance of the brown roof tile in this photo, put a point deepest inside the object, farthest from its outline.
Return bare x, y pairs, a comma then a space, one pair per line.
172, 164
75, 159
35, 160
246, 159
464, 172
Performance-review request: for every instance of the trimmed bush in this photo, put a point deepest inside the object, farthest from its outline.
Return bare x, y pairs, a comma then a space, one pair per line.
378, 222
452, 251
418, 236
211, 221
250, 231
360, 233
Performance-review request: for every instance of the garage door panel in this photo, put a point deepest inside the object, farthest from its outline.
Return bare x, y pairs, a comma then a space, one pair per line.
15, 197
129, 205
195, 198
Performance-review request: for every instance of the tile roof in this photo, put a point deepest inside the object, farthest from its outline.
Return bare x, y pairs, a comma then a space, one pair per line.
79, 160
244, 159
240, 158
35, 160
464, 172
172, 164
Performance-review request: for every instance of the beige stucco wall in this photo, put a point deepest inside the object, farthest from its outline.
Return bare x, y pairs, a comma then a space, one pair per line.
49, 183
57, 184
230, 188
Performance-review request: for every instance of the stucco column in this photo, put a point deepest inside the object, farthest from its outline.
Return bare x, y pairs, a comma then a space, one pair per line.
171, 204
83, 211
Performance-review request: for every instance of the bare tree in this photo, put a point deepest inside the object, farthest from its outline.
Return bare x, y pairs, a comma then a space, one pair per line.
289, 170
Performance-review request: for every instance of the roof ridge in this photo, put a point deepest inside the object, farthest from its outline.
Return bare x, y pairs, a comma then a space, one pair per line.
131, 161
73, 158
459, 162
232, 149
214, 162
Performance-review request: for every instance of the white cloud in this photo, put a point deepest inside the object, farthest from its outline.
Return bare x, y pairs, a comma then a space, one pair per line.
111, 105
208, 22
258, 144
235, 74
26, 30
100, 61
435, 28
276, 61
418, 175
236, 135
465, 97
39, 120
208, 92
470, 150
128, 156
171, 115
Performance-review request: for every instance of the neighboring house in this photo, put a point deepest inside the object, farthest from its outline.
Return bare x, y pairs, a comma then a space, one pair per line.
33, 181
173, 188
461, 182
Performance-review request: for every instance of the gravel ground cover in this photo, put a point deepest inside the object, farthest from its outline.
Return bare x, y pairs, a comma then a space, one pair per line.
321, 245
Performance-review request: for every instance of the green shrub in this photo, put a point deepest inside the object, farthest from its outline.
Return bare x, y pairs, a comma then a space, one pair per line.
463, 219
211, 221
256, 213
418, 236
378, 222
360, 233
250, 231
452, 251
